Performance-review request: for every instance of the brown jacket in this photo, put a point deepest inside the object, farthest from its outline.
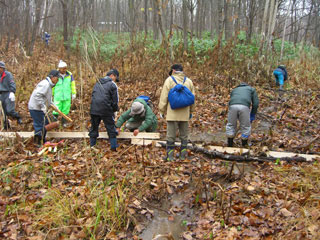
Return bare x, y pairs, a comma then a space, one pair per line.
181, 114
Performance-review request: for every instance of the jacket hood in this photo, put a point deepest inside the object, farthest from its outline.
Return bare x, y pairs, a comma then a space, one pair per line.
105, 79
50, 82
243, 84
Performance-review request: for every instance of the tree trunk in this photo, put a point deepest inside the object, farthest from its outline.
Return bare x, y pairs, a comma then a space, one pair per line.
27, 25
284, 30
227, 21
154, 20
185, 25
38, 4
145, 18
64, 4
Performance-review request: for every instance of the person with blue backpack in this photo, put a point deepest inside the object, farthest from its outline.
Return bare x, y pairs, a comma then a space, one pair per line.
281, 75
241, 99
177, 103
139, 117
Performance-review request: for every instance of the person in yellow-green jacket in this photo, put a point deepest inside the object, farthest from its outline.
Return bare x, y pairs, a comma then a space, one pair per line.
64, 91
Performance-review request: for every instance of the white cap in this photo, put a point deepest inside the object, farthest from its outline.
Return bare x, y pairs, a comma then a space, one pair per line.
62, 64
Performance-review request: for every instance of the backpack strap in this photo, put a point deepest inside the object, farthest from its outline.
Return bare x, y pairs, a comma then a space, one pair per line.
174, 80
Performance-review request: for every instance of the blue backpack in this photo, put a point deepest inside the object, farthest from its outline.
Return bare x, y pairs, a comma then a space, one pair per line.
180, 96
146, 99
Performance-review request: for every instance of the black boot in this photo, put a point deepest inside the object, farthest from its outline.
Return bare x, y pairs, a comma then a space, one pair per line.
244, 142
37, 139
170, 152
183, 150
93, 142
19, 120
230, 142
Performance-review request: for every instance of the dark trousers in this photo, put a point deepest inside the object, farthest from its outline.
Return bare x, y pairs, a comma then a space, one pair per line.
39, 121
8, 106
108, 123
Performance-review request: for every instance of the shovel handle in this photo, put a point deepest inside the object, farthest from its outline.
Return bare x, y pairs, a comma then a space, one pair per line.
61, 113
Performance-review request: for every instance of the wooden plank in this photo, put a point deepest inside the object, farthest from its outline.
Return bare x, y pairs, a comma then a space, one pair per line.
122, 135
309, 157
146, 142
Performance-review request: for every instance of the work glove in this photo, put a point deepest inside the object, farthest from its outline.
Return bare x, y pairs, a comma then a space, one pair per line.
115, 114
190, 116
44, 108
73, 96
161, 116
252, 117
12, 97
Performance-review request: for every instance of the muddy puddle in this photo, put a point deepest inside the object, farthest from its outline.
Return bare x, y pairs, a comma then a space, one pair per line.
172, 220
174, 215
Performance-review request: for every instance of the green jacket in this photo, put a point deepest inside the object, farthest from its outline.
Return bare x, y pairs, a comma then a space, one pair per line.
149, 118
245, 95
64, 88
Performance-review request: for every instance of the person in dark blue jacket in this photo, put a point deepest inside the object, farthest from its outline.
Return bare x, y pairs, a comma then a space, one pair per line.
281, 75
104, 104
7, 95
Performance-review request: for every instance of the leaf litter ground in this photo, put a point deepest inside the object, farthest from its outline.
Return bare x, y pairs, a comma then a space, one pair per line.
82, 193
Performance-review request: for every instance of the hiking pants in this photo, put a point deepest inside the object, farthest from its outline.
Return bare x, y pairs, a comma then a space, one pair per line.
108, 123
133, 125
39, 121
8, 106
63, 106
241, 113
172, 127
279, 77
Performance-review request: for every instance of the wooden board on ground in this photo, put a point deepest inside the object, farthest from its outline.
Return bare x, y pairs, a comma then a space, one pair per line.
122, 135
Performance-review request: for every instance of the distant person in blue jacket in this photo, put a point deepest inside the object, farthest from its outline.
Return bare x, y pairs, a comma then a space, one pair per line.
281, 75
47, 38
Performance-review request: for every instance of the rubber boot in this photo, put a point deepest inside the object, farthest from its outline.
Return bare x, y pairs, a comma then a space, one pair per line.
113, 144
183, 150
244, 142
230, 142
37, 140
93, 142
170, 152
19, 120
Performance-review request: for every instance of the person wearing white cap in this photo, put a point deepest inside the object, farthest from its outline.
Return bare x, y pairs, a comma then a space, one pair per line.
7, 95
64, 91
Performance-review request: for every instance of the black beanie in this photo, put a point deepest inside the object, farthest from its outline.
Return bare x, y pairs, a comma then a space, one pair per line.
177, 67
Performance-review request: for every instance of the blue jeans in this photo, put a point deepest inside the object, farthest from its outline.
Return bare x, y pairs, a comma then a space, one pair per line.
279, 77
39, 121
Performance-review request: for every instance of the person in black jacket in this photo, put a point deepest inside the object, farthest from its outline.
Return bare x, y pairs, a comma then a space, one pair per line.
7, 95
104, 104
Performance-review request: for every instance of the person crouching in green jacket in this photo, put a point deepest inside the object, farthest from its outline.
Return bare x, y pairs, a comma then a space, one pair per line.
64, 90
139, 118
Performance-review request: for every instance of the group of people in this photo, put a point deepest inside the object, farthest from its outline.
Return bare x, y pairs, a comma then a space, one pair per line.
60, 86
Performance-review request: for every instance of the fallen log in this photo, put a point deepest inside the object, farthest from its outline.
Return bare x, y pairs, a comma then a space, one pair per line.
242, 158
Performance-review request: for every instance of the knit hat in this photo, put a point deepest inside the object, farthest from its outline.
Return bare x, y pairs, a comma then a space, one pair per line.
136, 108
54, 73
2, 64
62, 64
